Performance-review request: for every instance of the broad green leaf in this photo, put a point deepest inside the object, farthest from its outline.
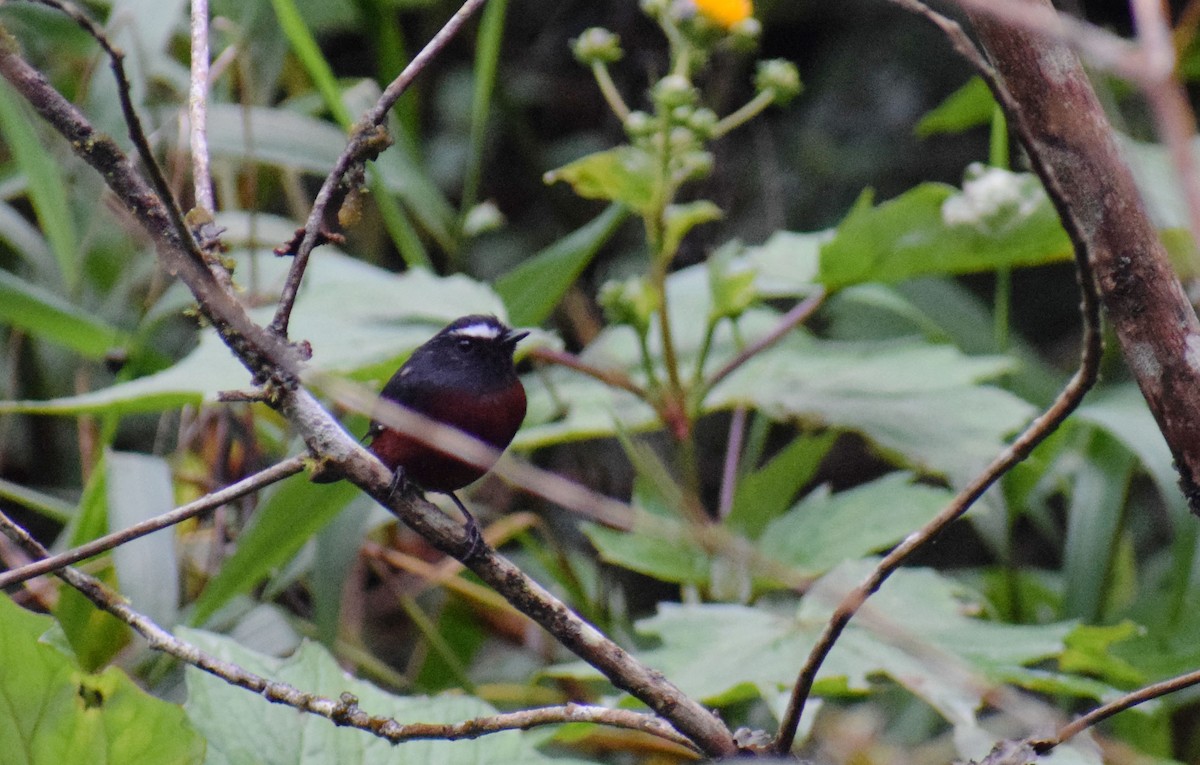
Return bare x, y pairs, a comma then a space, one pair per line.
51, 712
54, 319
663, 548
624, 174
138, 487
922, 403
1089, 650
916, 630
999, 220
826, 529
295, 510
969, 106
45, 182
787, 264
282, 736
534, 288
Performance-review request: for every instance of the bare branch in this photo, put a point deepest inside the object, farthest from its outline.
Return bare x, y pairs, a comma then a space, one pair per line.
1102, 713
792, 319
198, 107
1023, 445
364, 144
208, 502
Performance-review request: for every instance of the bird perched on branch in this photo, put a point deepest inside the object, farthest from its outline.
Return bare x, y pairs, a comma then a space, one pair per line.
463, 377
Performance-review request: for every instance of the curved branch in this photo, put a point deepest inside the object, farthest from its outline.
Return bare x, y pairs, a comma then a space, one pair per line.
208, 502
345, 711
1066, 402
365, 143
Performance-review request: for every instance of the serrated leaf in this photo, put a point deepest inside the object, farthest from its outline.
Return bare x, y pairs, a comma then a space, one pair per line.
624, 174
281, 736
663, 550
768, 491
825, 529
52, 713
920, 402
999, 220
726, 653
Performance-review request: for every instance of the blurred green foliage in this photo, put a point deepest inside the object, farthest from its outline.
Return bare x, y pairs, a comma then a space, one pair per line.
758, 490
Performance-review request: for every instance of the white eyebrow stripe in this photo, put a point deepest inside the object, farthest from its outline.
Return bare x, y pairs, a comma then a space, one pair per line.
485, 331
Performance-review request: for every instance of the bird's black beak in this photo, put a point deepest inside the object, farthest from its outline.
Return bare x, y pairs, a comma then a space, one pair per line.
514, 336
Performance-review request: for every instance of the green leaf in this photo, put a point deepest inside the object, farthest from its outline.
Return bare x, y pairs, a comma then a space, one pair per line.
1089, 651
918, 402
54, 319
787, 263
281, 736
919, 634
45, 181
1104, 470
826, 529
969, 106
999, 220
661, 548
679, 219
139, 487
768, 491
1122, 412
95, 635
624, 174
52, 713
276, 535
532, 290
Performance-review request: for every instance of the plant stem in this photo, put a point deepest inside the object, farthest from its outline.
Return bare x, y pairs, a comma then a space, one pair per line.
608, 89
749, 111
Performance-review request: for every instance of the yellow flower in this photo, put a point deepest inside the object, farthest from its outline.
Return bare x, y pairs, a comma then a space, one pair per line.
725, 13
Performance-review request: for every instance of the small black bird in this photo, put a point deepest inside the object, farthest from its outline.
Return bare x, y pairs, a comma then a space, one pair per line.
464, 377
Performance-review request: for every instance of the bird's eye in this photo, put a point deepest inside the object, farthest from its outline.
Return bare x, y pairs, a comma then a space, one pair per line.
465, 345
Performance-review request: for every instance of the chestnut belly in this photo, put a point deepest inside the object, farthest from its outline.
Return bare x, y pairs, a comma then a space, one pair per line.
492, 418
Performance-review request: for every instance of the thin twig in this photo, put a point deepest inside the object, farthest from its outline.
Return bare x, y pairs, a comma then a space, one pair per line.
358, 149
733, 453
198, 107
790, 320
208, 502
1102, 713
1041, 427
612, 377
